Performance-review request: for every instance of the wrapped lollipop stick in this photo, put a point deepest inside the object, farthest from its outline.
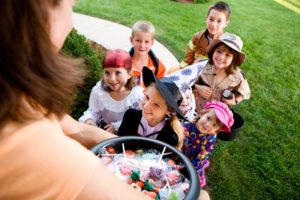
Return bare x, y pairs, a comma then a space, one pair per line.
162, 154
123, 147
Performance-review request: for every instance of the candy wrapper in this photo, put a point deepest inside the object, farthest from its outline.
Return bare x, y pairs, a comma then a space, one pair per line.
152, 167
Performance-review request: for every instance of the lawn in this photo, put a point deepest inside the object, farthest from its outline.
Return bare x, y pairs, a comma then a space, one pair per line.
263, 162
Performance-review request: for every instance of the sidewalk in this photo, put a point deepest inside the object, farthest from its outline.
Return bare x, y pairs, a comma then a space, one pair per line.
112, 36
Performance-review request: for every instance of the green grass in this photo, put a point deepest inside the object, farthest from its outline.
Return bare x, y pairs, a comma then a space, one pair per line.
263, 163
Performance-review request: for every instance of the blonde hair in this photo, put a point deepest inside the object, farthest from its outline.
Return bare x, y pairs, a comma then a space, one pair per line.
178, 129
174, 121
143, 26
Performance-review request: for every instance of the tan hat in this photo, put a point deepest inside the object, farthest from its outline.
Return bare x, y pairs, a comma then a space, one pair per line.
232, 41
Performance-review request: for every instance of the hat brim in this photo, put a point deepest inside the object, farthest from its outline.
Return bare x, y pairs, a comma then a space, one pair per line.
221, 117
241, 55
149, 77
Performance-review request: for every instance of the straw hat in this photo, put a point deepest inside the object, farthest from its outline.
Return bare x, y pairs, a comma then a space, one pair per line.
232, 41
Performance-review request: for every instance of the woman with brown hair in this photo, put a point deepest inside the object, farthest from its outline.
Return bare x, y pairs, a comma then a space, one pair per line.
38, 159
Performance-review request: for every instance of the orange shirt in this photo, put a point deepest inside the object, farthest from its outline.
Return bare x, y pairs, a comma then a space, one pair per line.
161, 69
38, 161
136, 71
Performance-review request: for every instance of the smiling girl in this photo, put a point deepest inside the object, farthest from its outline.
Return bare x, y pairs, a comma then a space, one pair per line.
222, 73
158, 117
115, 94
201, 135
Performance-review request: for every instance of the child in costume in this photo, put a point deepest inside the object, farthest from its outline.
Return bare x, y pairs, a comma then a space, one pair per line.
158, 117
188, 105
221, 79
201, 135
216, 20
142, 39
115, 94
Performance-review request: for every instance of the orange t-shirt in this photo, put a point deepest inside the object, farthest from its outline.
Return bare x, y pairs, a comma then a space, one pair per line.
136, 71
38, 161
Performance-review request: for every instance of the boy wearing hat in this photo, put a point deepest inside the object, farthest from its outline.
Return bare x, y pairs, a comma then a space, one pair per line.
201, 135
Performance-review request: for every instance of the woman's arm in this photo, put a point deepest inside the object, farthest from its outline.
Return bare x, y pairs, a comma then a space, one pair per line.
85, 134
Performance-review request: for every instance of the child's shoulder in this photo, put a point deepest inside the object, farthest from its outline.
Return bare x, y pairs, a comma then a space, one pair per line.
136, 93
198, 34
98, 89
238, 75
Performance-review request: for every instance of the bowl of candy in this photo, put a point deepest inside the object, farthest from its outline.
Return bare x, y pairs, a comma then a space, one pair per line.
150, 166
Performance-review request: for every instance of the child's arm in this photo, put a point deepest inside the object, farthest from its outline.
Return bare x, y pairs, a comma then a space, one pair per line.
243, 90
93, 113
190, 51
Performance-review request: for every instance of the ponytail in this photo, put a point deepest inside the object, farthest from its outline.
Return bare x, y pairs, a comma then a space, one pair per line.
178, 129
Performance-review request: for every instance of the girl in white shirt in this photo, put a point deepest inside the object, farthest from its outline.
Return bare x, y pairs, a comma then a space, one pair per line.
115, 94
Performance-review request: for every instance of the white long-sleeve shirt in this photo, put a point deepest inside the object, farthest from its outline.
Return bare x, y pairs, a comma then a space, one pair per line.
103, 106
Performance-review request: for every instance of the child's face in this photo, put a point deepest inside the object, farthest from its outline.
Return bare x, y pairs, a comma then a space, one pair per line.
216, 21
116, 78
208, 123
222, 57
142, 42
154, 106
186, 103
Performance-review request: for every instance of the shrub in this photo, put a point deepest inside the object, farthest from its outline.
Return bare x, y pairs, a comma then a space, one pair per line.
77, 45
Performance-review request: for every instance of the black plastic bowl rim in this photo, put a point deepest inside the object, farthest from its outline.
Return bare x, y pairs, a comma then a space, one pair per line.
194, 189
235, 129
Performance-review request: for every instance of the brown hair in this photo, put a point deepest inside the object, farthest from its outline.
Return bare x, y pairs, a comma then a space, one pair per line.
221, 7
30, 69
129, 85
231, 69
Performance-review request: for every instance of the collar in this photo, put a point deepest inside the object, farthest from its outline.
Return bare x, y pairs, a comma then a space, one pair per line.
209, 70
145, 129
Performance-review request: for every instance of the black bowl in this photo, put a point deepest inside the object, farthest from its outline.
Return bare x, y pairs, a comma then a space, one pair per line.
133, 143
235, 129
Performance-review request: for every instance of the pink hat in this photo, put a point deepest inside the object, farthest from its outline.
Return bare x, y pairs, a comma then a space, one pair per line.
118, 59
224, 114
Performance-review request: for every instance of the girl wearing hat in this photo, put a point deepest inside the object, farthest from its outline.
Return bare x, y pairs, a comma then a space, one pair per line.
221, 78
115, 94
158, 117
200, 136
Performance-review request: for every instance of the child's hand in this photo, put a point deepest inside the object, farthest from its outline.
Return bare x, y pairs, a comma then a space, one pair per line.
198, 60
110, 128
90, 122
229, 102
203, 91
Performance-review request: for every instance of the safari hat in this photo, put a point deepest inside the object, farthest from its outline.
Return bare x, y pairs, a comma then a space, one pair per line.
223, 113
232, 41
167, 88
117, 58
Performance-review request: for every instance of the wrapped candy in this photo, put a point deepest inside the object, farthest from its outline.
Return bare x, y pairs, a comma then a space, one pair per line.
148, 172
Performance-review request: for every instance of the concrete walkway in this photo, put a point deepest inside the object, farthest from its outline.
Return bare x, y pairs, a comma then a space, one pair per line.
112, 36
